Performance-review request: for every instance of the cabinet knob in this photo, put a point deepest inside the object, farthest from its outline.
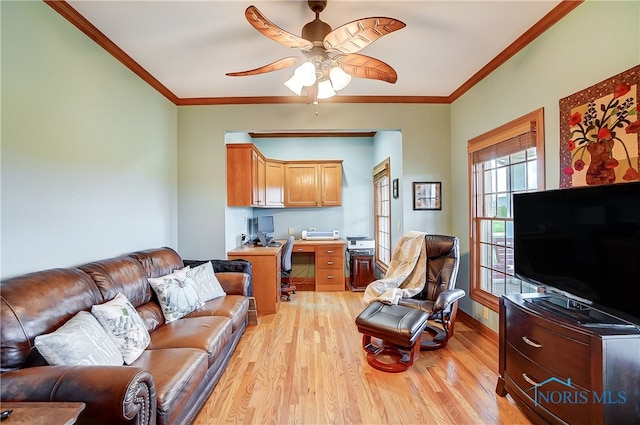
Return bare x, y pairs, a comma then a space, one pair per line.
531, 342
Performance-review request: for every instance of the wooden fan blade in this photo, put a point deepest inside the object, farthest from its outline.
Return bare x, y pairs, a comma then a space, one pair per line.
273, 66
356, 35
274, 32
361, 66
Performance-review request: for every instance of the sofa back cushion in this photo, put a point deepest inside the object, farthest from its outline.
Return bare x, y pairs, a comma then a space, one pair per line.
122, 275
39, 303
158, 261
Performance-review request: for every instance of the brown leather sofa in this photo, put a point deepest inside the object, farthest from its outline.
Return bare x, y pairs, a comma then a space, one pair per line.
167, 384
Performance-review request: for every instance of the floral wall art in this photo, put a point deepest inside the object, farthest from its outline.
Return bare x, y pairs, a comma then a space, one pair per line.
599, 128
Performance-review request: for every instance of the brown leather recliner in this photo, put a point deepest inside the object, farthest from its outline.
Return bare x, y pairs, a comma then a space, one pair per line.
439, 297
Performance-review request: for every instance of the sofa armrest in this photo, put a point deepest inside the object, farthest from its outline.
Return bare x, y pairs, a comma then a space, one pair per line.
113, 394
235, 283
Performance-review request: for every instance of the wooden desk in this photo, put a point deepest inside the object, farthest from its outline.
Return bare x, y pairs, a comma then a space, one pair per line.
37, 413
329, 262
265, 268
266, 263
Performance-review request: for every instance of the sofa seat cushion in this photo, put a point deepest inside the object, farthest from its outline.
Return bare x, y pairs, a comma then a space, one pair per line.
177, 372
235, 307
209, 334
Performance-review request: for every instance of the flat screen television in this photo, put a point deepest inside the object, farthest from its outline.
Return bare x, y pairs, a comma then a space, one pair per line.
583, 243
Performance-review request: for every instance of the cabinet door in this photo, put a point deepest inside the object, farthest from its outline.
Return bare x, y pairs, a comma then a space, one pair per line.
274, 195
362, 270
259, 179
301, 183
240, 175
331, 187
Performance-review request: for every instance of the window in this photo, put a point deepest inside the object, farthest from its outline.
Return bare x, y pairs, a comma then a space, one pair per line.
507, 160
382, 213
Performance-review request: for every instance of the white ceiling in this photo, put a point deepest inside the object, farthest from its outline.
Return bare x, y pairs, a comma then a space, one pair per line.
189, 45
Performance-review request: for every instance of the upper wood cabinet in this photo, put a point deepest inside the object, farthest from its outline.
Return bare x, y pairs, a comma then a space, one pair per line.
274, 177
246, 178
313, 184
256, 181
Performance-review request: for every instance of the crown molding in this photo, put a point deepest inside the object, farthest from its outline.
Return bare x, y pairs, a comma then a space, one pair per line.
75, 18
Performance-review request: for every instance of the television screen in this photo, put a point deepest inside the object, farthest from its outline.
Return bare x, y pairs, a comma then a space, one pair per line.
583, 242
265, 224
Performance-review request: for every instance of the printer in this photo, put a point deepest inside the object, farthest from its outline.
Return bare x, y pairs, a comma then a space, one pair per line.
361, 244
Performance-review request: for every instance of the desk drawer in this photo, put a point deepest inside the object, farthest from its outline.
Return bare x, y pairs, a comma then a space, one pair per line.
303, 248
329, 280
329, 250
330, 262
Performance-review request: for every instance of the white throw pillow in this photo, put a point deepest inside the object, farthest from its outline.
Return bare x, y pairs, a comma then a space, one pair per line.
80, 341
206, 282
124, 326
177, 294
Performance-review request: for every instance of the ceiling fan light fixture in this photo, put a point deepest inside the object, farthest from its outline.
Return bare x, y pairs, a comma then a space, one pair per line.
306, 73
339, 78
325, 90
294, 84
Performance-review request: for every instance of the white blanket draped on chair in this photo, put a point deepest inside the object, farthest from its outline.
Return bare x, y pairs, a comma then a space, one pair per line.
406, 274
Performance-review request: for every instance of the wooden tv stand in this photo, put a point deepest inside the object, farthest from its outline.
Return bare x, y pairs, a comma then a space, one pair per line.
561, 371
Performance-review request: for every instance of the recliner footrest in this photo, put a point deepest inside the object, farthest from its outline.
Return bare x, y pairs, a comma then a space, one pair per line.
398, 327
392, 323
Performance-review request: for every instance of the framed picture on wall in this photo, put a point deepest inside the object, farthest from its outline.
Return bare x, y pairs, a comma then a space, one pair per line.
394, 187
427, 195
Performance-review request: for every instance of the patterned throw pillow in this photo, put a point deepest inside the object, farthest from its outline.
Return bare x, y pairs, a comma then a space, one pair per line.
80, 341
176, 293
206, 282
124, 326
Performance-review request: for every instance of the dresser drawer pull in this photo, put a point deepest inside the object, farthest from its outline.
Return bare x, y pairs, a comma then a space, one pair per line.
330, 276
330, 262
329, 251
300, 249
531, 343
529, 380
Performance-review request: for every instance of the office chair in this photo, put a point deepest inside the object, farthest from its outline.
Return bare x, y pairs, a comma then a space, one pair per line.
439, 297
286, 288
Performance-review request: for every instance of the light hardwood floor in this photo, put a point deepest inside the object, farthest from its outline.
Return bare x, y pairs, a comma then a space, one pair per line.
306, 365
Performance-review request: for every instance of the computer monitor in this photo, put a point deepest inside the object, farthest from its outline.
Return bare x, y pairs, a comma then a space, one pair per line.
265, 224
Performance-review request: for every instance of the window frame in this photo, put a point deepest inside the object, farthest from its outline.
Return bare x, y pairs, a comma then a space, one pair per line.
533, 121
380, 172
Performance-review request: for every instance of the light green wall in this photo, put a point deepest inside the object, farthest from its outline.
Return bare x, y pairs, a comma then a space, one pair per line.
201, 159
88, 148
595, 41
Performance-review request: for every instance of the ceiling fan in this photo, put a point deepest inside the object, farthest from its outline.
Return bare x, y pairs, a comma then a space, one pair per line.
330, 56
